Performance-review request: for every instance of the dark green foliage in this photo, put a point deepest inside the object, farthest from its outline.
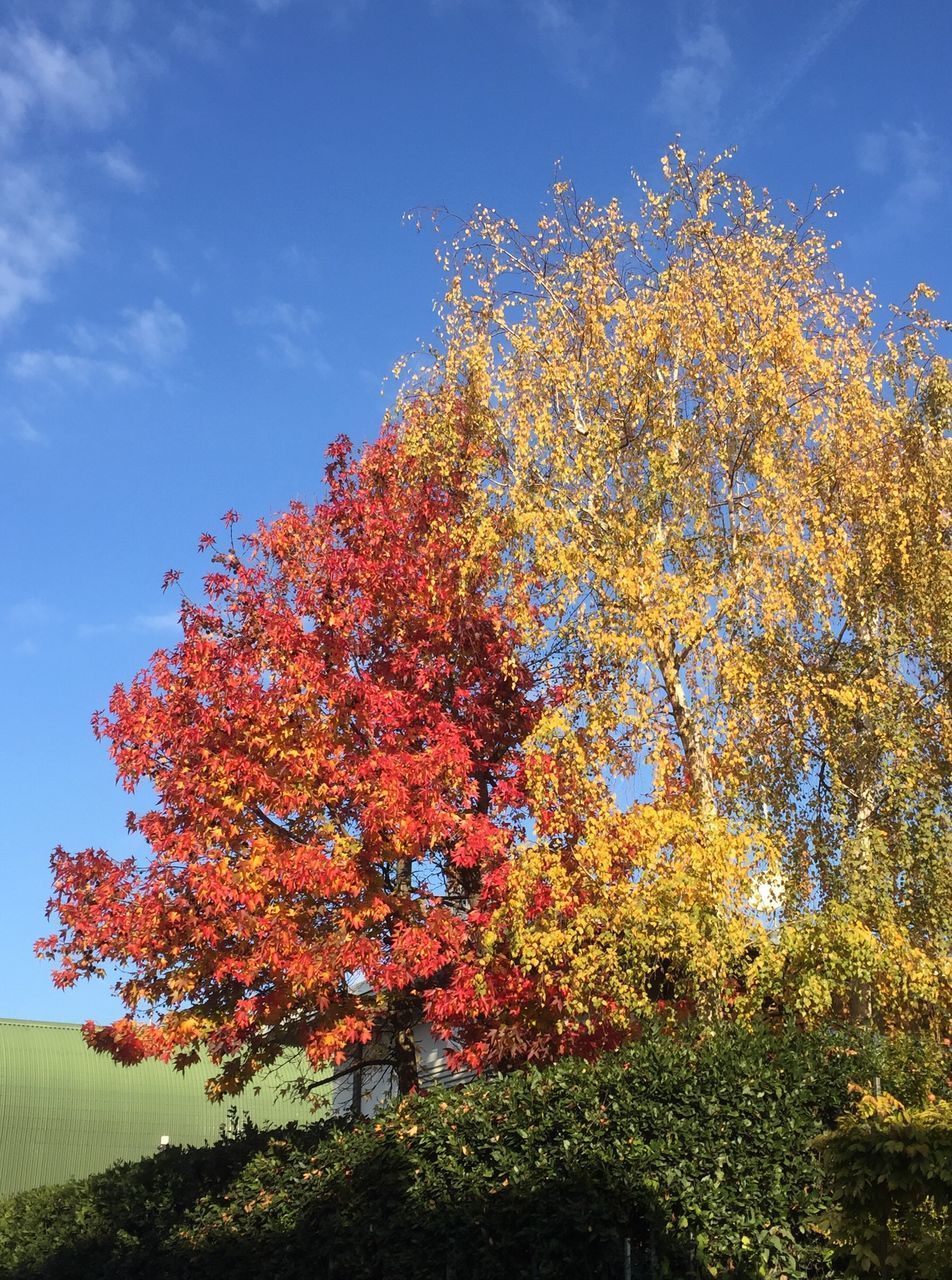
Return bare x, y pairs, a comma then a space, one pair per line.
700, 1154
890, 1175
114, 1223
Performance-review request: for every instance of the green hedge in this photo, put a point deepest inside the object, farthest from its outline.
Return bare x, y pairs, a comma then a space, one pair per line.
890, 1177
701, 1155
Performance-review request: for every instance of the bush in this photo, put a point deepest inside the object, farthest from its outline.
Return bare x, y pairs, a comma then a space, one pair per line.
118, 1222
699, 1153
890, 1176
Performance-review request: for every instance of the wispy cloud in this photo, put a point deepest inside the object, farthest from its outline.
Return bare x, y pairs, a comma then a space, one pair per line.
200, 32
25, 619
796, 64
51, 87
83, 87
574, 35
167, 621
24, 622
914, 166
15, 425
154, 335
148, 623
37, 234
145, 341
118, 164
286, 335
692, 88
97, 630
29, 613
48, 366
300, 259
161, 260
111, 16
340, 12
288, 316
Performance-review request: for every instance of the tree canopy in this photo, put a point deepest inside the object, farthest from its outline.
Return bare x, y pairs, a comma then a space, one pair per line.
732, 486
611, 683
329, 746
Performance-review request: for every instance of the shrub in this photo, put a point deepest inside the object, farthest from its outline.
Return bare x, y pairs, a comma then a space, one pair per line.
890, 1177
699, 1152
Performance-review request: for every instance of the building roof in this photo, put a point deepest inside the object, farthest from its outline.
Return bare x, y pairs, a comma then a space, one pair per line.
66, 1111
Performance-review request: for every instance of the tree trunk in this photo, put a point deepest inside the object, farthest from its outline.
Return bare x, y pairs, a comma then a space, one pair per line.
696, 755
406, 1066
404, 1009
357, 1082
861, 882
463, 883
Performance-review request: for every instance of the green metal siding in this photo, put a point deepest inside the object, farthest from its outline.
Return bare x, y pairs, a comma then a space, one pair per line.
66, 1111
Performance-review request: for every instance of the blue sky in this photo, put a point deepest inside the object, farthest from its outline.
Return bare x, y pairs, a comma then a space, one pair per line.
205, 275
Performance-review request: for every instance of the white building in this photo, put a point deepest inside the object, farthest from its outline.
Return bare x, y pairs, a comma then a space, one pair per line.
372, 1083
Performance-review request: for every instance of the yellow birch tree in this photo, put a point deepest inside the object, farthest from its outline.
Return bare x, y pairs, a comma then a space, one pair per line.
732, 487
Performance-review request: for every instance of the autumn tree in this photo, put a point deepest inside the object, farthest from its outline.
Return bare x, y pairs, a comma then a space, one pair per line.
332, 749
732, 488
611, 683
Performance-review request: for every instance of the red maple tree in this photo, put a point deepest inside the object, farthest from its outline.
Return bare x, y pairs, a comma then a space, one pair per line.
334, 751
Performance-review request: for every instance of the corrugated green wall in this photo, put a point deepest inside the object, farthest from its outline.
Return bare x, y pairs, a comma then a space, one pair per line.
66, 1111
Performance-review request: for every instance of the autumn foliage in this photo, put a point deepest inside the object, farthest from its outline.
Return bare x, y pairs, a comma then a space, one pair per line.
612, 683
332, 747
731, 478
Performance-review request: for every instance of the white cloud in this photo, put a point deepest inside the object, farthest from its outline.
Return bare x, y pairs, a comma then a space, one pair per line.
24, 621
66, 68
64, 366
16, 426
155, 335
872, 154
15, 98
117, 163
28, 434
575, 36
43, 81
161, 260
554, 16
36, 236
113, 16
201, 32
281, 349
168, 621
94, 630
74, 87
299, 321
151, 623
145, 341
913, 162
340, 12
152, 335
286, 335
300, 259
691, 90
28, 613
797, 63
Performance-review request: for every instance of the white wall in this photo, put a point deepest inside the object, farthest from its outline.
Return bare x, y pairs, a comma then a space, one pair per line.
376, 1085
